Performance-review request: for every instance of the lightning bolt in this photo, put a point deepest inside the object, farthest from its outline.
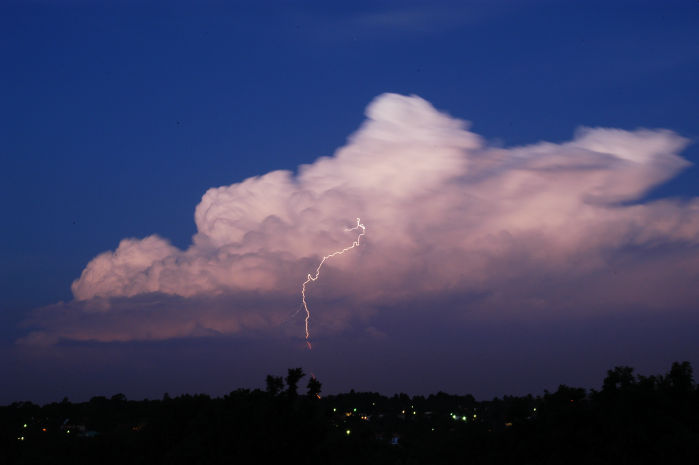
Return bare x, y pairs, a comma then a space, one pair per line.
314, 277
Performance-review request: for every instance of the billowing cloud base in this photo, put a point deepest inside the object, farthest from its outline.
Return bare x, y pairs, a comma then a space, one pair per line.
539, 229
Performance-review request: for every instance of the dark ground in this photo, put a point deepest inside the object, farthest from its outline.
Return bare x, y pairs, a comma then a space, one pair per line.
632, 419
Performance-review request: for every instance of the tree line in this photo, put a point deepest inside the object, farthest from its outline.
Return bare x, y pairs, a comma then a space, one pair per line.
631, 419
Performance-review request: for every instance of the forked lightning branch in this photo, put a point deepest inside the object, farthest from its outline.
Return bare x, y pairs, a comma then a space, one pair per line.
314, 277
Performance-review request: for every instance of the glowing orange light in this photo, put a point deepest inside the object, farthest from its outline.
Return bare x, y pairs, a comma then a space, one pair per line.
315, 277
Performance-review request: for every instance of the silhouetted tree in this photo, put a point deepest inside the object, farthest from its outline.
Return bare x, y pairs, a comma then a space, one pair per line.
619, 378
313, 387
292, 380
275, 384
679, 380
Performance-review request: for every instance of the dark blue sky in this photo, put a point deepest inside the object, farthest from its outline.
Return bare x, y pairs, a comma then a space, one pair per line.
117, 117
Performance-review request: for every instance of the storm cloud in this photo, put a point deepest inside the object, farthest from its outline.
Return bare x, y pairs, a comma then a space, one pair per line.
543, 229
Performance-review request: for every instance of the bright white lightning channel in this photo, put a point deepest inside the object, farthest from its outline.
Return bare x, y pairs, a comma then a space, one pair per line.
310, 277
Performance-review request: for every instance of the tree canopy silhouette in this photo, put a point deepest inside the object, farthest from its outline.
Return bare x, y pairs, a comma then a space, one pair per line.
631, 419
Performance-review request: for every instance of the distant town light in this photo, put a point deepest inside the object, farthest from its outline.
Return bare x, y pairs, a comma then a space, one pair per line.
354, 409
25, 425
347, 432
463, 418
474, 415
68, 432
334, 409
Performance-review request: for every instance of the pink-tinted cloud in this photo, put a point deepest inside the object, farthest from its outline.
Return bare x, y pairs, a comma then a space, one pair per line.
540, 228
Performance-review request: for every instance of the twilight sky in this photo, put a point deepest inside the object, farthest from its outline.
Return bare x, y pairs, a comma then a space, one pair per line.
526, 172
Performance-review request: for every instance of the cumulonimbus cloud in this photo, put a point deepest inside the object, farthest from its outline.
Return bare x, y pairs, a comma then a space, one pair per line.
523, 228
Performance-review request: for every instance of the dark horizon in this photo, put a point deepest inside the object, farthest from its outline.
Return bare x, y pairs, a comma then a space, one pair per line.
632, 418
167, 366
306, 376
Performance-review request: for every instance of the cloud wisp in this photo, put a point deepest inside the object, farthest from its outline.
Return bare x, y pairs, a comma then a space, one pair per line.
544, 228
